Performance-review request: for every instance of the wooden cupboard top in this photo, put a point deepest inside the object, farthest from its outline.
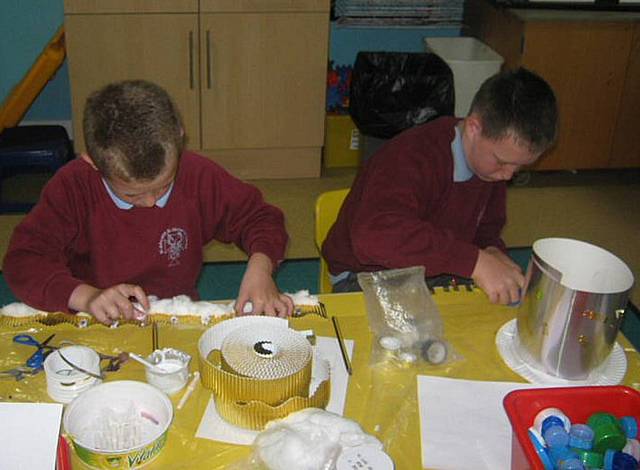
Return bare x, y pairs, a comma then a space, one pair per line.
263, 5
192, 6
130, 6
575, 15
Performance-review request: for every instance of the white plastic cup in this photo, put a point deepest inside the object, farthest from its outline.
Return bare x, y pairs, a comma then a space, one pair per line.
171, 372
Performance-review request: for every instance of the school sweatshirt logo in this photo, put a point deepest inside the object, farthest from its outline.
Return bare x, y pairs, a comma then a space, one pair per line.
173, 242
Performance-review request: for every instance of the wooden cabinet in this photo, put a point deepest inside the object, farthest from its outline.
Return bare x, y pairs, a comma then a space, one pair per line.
625, 151
585, 56
247, 75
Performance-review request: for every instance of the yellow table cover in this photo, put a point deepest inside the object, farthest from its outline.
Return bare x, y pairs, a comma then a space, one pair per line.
384, 402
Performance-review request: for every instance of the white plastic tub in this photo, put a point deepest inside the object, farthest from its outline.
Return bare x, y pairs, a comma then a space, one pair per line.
471, 62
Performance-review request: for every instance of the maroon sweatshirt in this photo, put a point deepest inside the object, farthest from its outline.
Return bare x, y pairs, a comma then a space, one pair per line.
76, 234
404, 209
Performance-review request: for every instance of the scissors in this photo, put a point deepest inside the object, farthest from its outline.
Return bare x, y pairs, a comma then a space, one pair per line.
19, 373
36, 360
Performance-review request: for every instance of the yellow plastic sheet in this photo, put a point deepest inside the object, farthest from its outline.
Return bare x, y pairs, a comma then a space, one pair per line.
382, 400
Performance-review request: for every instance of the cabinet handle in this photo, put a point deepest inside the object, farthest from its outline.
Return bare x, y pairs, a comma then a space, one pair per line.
209, 59
191, 60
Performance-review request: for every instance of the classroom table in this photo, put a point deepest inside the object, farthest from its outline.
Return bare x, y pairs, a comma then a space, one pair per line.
382, 400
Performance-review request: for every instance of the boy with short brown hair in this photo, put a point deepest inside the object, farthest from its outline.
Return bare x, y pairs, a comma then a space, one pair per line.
130, 217
435, 195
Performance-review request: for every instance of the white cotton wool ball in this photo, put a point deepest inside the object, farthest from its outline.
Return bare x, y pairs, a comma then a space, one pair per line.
18, 309
311, 439
285, 448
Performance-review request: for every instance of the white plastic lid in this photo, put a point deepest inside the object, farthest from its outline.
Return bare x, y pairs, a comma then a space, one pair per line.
369, 457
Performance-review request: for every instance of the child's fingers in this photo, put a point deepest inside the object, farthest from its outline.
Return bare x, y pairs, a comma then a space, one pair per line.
240, 306
286, 306
139, 294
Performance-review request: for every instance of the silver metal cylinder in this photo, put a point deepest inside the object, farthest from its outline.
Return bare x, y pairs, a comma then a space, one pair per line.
572, 307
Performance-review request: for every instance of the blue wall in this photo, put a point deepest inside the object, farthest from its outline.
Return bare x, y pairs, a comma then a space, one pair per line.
28, 25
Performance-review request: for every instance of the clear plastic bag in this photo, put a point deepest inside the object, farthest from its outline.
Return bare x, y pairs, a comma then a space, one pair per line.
403, 318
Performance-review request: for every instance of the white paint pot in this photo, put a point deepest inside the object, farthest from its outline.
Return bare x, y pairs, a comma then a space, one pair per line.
65, 382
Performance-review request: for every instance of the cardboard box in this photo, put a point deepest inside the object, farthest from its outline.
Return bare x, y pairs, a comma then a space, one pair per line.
341, 142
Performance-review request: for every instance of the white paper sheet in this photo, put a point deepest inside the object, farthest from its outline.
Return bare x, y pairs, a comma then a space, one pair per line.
29, 435
213, 427
463, 424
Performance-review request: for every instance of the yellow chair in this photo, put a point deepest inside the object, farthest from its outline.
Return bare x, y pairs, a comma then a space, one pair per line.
327, 207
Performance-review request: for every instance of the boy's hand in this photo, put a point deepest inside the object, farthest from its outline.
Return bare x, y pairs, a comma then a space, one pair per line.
109, 305
498, 276
259, 288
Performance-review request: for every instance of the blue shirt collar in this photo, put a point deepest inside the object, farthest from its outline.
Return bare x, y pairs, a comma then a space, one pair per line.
126, 205
461, 170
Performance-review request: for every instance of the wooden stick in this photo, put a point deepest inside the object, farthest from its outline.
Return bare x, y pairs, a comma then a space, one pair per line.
343, 349
190, 388
154, 336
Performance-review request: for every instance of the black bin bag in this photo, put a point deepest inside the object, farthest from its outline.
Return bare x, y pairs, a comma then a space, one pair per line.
393, 91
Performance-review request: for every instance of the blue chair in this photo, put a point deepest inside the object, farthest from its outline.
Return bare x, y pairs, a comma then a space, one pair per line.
28, 149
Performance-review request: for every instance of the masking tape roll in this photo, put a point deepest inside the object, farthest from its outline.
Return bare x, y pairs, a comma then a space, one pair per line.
260, 370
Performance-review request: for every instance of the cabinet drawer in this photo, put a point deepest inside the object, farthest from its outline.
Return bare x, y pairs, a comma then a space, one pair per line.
130, 6
219, 6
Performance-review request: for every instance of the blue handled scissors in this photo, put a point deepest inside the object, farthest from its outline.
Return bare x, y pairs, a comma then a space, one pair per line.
36, 360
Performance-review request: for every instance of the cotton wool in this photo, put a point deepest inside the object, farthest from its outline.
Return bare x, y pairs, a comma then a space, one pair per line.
310, 439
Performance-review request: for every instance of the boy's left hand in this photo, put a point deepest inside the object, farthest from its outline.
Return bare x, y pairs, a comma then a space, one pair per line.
259, 288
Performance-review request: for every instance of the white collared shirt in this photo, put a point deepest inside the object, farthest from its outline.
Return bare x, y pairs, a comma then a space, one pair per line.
127, 205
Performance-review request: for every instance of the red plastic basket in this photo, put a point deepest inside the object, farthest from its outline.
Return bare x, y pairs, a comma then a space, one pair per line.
578, 403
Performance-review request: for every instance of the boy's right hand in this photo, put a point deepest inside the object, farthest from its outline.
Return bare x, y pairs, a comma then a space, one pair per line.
498, 276
111, 304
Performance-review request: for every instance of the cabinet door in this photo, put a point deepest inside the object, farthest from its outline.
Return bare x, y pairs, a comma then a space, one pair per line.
263, 79
585, 63
162, 48
625, 151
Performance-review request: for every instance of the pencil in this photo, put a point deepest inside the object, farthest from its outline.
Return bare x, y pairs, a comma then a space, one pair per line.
190, 388
343, 349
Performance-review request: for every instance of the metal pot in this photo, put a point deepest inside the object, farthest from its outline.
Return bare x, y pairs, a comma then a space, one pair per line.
572, 308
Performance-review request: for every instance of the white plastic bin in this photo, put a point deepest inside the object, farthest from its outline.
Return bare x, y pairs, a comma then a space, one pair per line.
471, 62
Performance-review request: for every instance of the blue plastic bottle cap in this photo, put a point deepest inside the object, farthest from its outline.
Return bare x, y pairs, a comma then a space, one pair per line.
558, 454
616, 460
571, 464
541, 450
624, 461
548, 412
581, 436
555, 436
550, 421
629, 426
608, 459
